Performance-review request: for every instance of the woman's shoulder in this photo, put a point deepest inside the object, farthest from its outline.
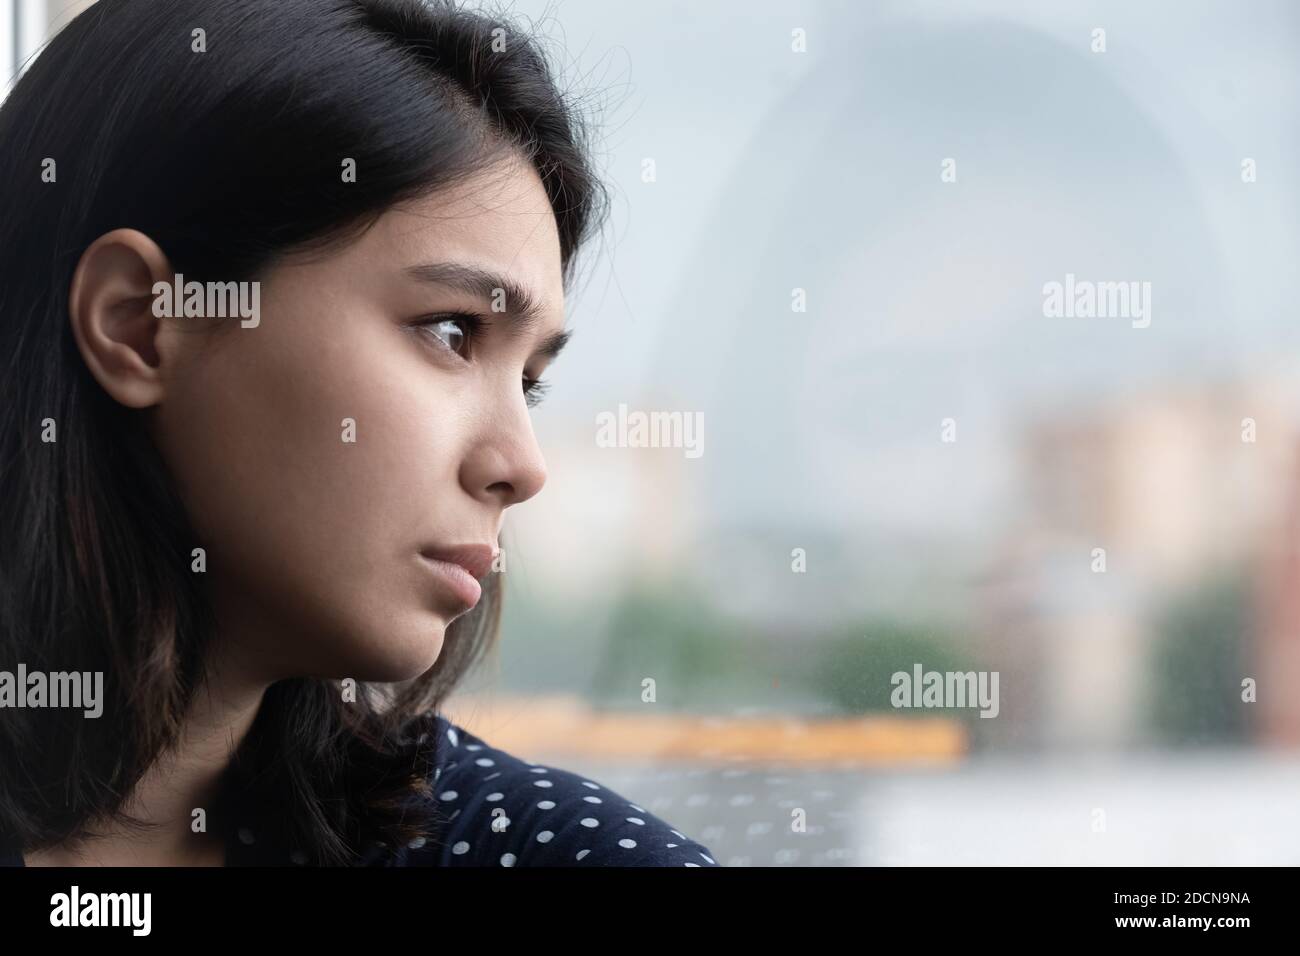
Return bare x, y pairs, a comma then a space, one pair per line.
500, 810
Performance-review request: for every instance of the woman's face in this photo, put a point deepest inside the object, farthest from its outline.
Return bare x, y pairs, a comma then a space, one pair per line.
358, 427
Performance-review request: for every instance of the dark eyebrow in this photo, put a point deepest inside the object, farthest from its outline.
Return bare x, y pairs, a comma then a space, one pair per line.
521, 305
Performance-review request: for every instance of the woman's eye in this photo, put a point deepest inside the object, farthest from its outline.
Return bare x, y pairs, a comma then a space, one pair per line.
454, 331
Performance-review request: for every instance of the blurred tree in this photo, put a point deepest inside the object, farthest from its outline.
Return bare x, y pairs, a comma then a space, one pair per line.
671, 634
854, 667
1197, 664
702, 659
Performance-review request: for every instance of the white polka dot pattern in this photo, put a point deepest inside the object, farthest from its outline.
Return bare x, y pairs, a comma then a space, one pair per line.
578, 823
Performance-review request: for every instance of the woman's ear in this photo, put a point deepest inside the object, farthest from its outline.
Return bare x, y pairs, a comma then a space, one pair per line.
110, 303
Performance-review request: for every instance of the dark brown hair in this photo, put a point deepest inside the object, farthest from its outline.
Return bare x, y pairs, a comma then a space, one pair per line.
229, 159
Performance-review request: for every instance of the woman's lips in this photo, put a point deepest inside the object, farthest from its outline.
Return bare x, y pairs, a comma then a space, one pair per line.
458, 580
460, 567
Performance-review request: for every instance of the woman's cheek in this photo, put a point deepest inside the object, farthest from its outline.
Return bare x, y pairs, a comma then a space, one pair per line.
316, 455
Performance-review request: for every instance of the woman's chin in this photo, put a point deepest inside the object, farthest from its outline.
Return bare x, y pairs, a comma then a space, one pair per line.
402, 656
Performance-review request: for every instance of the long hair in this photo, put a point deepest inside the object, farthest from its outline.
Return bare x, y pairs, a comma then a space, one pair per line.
225, 147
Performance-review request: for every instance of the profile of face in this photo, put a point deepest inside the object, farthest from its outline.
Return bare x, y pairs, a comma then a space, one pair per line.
328, 455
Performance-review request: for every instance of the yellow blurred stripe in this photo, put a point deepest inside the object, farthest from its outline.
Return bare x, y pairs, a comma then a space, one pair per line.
565, 726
